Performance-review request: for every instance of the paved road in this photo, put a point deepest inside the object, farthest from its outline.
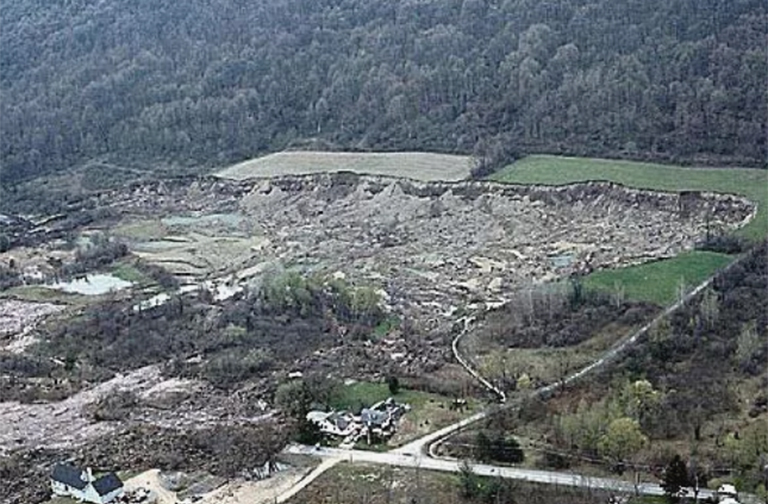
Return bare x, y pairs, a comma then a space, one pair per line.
450, 465
609, 356
420, 446
309, 478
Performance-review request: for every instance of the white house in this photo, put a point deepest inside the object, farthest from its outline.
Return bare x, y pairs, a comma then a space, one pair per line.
69, 481
333, 423
726, 494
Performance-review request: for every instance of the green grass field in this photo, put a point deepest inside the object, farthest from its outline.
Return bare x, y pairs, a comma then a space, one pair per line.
557, 170
657, 282
367, 393
124, 270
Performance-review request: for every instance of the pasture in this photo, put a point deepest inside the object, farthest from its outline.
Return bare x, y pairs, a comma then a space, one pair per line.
415, 165
659, 282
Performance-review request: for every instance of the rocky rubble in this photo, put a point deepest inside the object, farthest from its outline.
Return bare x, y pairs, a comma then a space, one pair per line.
18, 319
161, 402
435, 246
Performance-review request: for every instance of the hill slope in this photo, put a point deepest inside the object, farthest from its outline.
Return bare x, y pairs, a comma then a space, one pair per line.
213, 82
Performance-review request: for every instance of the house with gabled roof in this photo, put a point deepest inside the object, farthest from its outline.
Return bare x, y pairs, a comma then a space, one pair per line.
333, 423
68, 480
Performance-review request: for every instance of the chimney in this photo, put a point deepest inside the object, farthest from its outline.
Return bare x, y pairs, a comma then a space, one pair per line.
90, 474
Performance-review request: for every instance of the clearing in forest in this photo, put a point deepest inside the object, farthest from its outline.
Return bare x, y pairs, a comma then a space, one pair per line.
423, 166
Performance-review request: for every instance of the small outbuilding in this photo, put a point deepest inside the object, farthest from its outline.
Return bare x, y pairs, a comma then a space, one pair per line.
70, 481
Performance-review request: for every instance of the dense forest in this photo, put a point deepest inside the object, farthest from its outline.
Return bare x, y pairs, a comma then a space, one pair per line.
208, 82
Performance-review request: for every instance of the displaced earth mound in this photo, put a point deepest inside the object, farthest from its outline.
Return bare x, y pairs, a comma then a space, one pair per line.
431, 246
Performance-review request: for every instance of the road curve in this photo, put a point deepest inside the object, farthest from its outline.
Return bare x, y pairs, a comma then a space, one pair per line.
467, 322
419, 446
609, 356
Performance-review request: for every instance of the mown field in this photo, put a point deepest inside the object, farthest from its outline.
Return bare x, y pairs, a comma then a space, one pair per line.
416, 165
660, 281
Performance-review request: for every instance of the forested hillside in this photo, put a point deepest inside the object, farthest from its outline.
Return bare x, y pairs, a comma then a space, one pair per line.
215, 81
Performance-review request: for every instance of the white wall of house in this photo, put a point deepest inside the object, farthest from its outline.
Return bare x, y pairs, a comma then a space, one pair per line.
88, 494
68, 491
92, 496
111, 496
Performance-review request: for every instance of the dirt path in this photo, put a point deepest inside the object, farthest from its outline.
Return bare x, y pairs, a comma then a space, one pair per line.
151, 481
304, 483
266, 491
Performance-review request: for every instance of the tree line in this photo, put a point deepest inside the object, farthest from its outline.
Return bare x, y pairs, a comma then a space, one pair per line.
173, 84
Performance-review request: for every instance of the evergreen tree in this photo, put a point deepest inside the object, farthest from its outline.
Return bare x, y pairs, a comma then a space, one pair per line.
675, 478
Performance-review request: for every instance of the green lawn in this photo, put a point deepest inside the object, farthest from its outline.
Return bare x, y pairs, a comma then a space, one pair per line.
128, 272
558, 170
428, 412
659, 282
367, 393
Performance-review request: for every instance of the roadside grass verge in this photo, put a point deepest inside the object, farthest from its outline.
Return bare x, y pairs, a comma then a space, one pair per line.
659, 282
348, 483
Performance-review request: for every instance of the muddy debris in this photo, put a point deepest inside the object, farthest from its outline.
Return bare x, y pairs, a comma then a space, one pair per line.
434, 246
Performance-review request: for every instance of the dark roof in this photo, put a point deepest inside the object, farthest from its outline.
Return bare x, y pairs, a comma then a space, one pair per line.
69, 475
107, 483
373, 417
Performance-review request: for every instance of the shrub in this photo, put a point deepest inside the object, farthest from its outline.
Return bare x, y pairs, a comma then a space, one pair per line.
5, 243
